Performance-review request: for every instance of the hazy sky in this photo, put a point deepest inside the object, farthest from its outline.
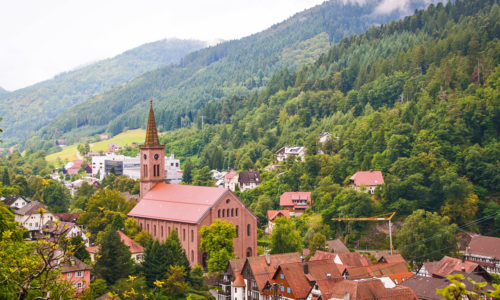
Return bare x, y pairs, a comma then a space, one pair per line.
41, 38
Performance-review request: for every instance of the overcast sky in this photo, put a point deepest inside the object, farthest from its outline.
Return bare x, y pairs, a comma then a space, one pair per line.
41, 38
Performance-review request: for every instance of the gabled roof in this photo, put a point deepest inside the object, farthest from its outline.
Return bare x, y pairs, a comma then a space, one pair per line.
132, 245
263, 272
367, 178
397, 271
449, 264
273, 214
391, 258
230, 175
30, 208
336, 246
287, 198
175, 202
73, 264
247, 177
239, 281
352, 259
9, 200
370, 289
300, 282
67, 217
485, 246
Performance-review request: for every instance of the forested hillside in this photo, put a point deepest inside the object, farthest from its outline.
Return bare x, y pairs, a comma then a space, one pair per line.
418, 99
28, 109
232, 68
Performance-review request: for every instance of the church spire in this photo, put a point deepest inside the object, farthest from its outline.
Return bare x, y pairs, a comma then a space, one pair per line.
151, 132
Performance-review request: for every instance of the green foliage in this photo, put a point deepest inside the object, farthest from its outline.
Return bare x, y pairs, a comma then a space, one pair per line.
56, 196
457, 289
318, 242
426, 236
217, 241
175, 284
187, 176
285, 238
79, 248
113, 260
203, 177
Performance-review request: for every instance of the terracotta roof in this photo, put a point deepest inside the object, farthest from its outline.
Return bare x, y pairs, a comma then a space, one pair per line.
336, 246
352, 259
151, 132
175, 202
230, 175
300, 282
239, 281
74, 264
367, 178
247, 177
272, 214
67, 217
449, 264
370, 289
263, 272
236, 265
391, 258
288, 198
395, 271
485, 246
132, 245
30, 208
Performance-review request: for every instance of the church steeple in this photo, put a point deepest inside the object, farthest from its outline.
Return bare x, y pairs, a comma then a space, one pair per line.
152, 157
151, 132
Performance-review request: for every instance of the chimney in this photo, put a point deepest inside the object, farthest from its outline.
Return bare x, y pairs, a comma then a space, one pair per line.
268, 257
306, 269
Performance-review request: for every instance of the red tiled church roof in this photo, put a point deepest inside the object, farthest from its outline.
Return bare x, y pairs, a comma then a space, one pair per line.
180, 203
367, 178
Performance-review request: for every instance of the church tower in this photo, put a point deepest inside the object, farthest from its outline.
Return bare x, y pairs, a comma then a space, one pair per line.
152, 157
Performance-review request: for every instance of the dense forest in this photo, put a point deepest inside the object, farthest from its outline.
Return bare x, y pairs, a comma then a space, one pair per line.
216, 73
28, 109
418, 99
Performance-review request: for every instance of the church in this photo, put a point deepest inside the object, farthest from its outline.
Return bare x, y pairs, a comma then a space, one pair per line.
163, 207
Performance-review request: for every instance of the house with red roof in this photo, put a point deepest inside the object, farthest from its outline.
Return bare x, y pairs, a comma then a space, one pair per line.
136, 250
231, 180
295, 202
366, 181
484, 251
448, 265
77, 273
272, 215
164, 207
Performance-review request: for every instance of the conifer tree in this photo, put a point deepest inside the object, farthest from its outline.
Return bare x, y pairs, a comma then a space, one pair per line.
113, 260
5, 178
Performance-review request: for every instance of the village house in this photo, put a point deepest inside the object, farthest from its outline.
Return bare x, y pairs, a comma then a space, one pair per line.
366, 181
272, 215
448, 265
73, 167
322, 140
164, 207
14, 201
231, 180
77, 273
285, 152
55, 229
248, 180
67, 217
484, 251
136, 250
390, 274
295, 202
33, 216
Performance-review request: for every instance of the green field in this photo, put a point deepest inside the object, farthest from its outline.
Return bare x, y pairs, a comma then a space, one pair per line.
126, 138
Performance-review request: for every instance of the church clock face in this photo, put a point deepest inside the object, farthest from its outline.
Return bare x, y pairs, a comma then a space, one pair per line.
156, 156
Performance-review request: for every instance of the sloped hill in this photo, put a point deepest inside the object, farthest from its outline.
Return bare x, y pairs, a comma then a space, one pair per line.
30, 108
216, 73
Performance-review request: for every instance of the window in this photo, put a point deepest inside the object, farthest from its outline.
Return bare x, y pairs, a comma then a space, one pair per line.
236, 212
227, 212
248, 229
192, 235
236, 230
288, 290
69, 275
282, 276
161, 230
218, 213
183, 234
169, 230
282, 289
223, 213
232, 212
192, 255
79, 274
154, 230
147, 227
79, 285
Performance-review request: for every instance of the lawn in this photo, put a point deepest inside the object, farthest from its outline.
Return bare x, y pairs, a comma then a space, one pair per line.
125, 138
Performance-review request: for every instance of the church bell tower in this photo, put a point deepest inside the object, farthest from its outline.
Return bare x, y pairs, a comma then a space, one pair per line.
152, 157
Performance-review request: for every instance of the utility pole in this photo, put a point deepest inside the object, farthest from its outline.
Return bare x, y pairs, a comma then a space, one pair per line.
383, 217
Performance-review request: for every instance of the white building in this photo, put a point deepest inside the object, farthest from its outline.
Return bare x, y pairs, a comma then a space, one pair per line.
14, 201
33, 216
285, 152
